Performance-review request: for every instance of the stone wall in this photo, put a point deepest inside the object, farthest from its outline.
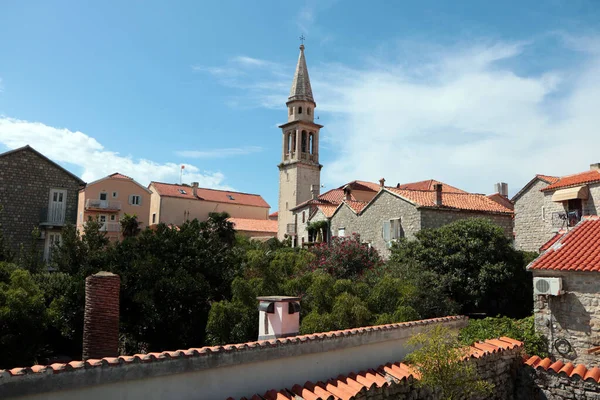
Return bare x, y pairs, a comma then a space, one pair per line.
25, 182
432, 218
539, 384
529, 218
369, 224
574, 316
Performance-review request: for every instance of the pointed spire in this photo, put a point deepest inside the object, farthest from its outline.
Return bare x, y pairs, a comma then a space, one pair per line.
301, 89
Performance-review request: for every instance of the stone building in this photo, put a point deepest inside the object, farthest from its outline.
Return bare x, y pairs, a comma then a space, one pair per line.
571, 319
173, 204
397, 212
548, 204
108, 199
35, 193
299, 169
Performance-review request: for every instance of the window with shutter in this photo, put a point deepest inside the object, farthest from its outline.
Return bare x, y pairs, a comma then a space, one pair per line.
386, 231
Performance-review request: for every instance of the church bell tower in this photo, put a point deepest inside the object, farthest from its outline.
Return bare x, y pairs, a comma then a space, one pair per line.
299, 170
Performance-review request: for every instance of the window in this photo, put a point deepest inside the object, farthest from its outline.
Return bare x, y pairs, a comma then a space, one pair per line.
135, 200
53, 239
392, 230
182, 191
304, 142
341, 232
543, 213
102, 219
230, 197
299, 110
103, 196
291, 110
308, 110
153, 218
113, 217
303, 216
115, 195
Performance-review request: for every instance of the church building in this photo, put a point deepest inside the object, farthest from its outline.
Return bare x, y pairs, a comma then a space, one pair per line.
299, 170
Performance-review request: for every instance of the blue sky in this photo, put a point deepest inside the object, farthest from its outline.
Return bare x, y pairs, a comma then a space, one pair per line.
470, 92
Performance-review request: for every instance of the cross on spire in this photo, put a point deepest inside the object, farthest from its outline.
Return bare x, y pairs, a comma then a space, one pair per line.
302, 38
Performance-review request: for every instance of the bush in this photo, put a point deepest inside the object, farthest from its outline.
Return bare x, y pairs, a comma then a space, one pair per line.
344, 258
519, 329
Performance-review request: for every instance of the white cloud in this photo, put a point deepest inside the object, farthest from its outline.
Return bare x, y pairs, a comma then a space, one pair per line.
77, 148
220, 153
466, 115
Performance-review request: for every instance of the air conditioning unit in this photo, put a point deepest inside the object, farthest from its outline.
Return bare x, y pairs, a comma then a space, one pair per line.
547, 286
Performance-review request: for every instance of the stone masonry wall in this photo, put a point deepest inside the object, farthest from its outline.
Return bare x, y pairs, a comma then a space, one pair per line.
432, 218
529, 218
25, 183
370, 223
574, 316
537, 384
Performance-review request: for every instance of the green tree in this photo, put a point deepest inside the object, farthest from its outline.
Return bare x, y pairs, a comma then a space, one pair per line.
473, 263
440, 362
6, 254
130, 225
22, 317
30, 254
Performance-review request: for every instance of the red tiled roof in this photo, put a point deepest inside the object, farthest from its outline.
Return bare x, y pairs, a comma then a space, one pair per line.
567, 370
498, 198
457, 201
576, 250
355, 385
275, 214
328, 209
334, 196
254, 225
553, 240
581, 178
120, 176
428, 185
362, 185
214, 195
109, 362
356, 206
548, 178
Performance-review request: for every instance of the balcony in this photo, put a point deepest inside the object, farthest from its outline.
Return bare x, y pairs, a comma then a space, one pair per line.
53, 215
103, 205
565, 219
110, 227
291, 229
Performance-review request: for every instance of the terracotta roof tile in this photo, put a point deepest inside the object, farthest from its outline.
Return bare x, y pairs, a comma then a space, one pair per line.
548, 178
275, 214
356, 206
457, 201
498, 198
363, 185
117, 175
576, 250
553, 240
581, 178
355, 385
327, 209
214, 195
254, 225
577, 372
429, 185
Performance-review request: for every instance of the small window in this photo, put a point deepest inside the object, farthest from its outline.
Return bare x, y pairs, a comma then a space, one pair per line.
299, 110
303, 217
182, 191
291, 110
135, 200
543, 213
115, 195
286, 205
102, 218
308, 110
113, 217
341, 232
230, 197
153, 218
103, 196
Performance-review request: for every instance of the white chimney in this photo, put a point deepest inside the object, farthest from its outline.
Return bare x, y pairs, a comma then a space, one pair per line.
194, 188
278, 316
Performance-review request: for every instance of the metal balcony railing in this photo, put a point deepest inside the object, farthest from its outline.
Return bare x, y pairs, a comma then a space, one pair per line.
110, 227
108, 205
53, 215
565, 219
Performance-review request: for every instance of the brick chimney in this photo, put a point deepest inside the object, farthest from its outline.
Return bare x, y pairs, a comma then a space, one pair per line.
382, 182
438, 194
595, 166
101, 318
278, 316
195, 189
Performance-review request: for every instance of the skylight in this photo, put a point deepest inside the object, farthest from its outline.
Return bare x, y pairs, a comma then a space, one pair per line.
230, 197
182, 191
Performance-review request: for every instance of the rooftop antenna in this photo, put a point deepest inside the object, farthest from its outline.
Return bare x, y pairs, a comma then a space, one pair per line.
181, 174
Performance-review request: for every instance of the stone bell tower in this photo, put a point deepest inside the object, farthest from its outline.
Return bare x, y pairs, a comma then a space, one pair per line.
299, 170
